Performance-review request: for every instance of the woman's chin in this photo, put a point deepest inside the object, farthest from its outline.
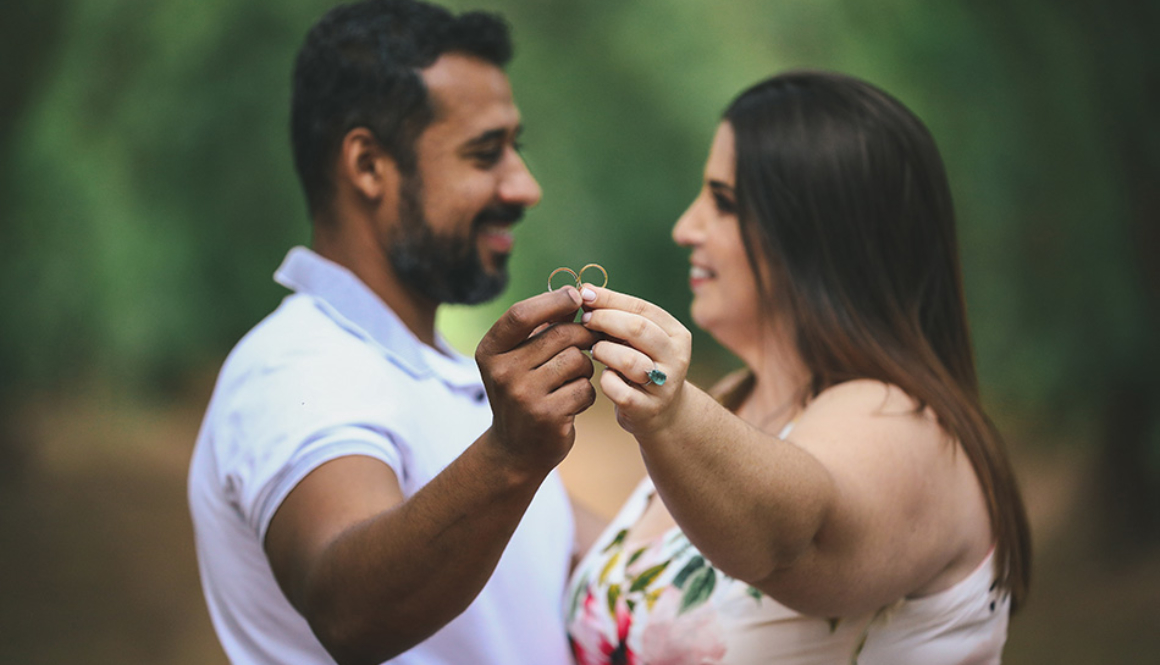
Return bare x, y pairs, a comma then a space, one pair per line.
708, 321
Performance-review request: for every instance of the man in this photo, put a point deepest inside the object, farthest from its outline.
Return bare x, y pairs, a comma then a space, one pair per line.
359, 491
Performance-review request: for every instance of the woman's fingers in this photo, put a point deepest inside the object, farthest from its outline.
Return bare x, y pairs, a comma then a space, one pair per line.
636, 330
637, 410
597, 298
641, 338
629, 362
615, 388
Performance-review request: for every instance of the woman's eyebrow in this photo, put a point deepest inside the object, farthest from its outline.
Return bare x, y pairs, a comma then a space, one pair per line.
725, 188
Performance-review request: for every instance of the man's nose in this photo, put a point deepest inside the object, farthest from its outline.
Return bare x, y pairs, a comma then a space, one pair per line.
519, 186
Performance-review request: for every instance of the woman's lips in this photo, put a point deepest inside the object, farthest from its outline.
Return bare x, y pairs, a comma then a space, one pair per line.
699, 275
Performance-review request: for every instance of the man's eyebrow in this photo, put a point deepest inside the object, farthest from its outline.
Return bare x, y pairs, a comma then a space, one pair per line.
491, 136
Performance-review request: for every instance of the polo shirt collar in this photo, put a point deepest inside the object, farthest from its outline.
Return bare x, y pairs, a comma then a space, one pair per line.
354, 306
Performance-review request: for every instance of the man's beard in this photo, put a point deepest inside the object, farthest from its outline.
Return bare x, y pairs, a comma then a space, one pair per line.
445, 269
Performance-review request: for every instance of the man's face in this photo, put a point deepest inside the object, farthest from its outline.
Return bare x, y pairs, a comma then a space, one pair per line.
453, 236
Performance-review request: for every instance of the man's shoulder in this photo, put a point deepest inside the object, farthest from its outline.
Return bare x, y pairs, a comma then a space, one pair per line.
299, 329
298, 346
297, 373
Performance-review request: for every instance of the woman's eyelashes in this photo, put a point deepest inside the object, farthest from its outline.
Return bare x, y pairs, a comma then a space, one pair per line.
724, 204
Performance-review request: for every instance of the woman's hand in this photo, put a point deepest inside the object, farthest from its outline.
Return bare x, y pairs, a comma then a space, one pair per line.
639, 337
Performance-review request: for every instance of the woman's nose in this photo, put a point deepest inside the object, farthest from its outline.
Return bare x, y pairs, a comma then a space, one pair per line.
688, 231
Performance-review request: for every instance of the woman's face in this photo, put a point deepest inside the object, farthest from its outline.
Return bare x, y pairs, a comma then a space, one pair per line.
725, 298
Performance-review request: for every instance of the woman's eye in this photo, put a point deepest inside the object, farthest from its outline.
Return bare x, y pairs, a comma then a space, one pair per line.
724, 204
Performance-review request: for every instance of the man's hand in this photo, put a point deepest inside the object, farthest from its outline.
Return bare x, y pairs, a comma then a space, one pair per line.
375, 573
537, 378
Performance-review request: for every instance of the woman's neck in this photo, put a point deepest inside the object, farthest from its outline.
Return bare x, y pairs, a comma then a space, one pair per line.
780, 382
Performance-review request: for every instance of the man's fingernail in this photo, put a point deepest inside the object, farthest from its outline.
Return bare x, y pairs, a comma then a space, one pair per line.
588, 294
585, 317
573, 294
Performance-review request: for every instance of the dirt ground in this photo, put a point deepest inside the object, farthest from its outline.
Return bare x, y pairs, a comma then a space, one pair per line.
97, 563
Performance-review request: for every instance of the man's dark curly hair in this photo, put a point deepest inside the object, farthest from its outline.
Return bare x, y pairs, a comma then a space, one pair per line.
360, 67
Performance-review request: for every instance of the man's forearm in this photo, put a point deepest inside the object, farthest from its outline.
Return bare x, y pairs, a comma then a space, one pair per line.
388, 583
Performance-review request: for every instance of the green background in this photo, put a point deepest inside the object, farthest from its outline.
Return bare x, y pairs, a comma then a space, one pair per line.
147, 194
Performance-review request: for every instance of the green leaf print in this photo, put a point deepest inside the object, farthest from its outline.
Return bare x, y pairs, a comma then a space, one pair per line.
613, 595
635, 555
694, 564
618, 540
754, 593
580, 589
608, 566
646, 578
700, 587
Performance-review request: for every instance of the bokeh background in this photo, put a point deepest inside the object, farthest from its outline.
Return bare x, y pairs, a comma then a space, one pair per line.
147, 194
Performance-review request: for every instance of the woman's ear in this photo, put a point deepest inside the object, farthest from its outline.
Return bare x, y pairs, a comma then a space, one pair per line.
366, 167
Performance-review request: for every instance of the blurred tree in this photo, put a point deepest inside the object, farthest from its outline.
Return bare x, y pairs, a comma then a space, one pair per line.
30, 36
153, 188
1086, 88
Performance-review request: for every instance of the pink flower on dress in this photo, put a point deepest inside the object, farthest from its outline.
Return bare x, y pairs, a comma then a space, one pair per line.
672, 638
587, 637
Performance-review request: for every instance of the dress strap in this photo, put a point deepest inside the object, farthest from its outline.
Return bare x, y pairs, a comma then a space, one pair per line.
787, 429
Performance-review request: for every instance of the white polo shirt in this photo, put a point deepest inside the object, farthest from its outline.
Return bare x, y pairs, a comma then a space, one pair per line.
333, 372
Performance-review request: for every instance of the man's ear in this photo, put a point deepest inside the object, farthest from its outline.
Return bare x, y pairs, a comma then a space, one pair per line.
366, 167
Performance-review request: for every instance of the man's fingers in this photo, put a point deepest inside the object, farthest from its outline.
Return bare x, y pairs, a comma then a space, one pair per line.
542, 347
574, 397
518, 322
567, 365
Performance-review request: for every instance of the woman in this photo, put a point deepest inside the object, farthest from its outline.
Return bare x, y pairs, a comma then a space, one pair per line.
844, 498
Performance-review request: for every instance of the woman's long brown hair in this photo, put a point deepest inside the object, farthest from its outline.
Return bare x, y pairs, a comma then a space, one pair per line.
843, 197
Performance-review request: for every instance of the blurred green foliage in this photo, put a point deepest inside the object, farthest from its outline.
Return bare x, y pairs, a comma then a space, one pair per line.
148, 193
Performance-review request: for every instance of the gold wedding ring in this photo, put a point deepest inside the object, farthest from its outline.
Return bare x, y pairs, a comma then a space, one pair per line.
575, 277
579, 276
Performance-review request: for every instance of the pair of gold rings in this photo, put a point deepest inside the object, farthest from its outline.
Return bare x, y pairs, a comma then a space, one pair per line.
655, 376
579, 276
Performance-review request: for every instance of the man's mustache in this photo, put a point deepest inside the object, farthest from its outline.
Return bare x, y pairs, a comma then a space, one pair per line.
504, 214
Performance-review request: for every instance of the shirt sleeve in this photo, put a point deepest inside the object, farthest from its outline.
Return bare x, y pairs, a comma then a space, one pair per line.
342, 441
280, 421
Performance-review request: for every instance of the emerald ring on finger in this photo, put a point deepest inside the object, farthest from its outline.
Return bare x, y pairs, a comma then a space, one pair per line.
657, 377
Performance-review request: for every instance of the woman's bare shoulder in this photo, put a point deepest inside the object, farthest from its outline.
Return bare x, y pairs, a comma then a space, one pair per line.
869, 398
867, 417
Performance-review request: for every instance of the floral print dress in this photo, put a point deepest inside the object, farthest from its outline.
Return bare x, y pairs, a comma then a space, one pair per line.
660, 602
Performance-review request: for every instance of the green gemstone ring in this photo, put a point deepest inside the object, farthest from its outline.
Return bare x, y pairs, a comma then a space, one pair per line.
657, 377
